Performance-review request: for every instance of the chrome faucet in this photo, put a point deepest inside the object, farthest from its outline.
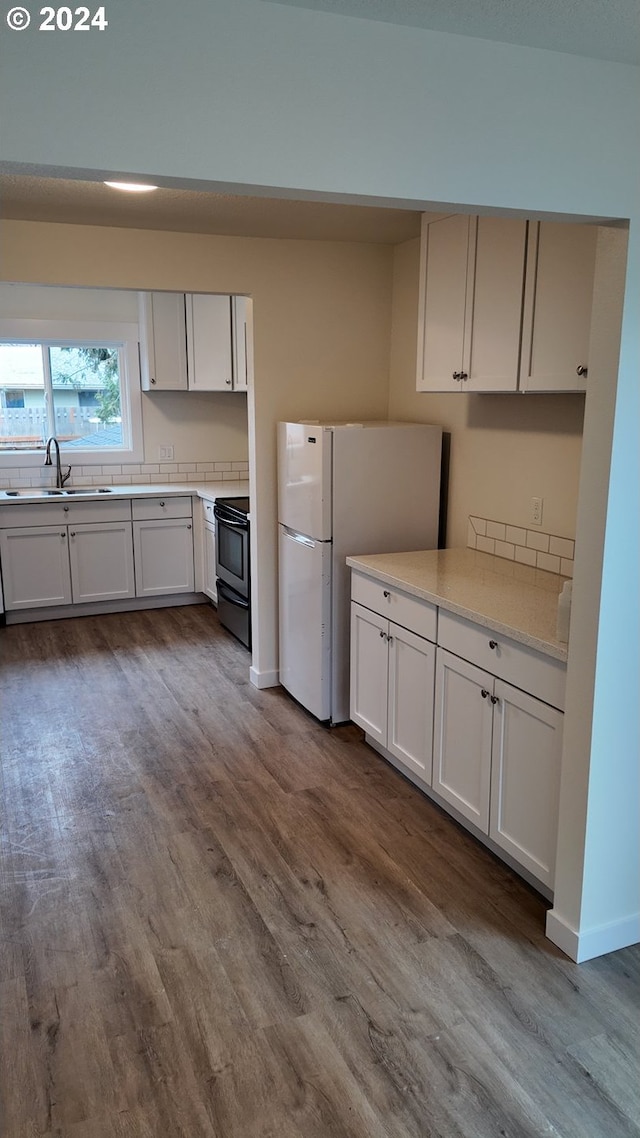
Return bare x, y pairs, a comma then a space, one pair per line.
60, 477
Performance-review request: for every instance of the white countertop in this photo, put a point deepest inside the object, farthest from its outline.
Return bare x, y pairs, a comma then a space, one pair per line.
509, 598
208, 490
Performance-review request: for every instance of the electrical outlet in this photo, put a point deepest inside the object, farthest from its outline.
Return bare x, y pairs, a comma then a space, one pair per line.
165, 452
536, 511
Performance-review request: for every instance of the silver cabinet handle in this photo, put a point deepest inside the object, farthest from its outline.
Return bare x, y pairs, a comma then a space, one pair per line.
493, 644
386, 593
66, 509
582, 369
161, 503
73, 533
389, 639
63, 535
382, 634
188, 527
494, 699
228, 382
484, 693
152, 380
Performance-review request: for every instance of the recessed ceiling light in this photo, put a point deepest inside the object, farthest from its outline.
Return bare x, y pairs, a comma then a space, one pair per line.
131, 187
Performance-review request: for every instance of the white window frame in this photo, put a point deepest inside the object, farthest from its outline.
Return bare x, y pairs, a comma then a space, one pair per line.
84, 333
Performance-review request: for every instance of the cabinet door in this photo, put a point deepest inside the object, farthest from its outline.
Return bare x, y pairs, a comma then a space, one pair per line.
369, 672
101, 557
410, 705
441, 314
557, 308
525, 779
163, 553
163, 341
209, 538
462, 737
242, 342
493, 321
209, 342
35, 567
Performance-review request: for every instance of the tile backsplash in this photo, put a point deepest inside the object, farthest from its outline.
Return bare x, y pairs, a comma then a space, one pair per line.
128, 474
517, 543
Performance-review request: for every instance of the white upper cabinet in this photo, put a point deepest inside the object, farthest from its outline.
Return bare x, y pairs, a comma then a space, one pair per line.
163, 341
188, 342
242, 327
471, 280
494, 303
505, 304
557, 306
209, 359
443, 284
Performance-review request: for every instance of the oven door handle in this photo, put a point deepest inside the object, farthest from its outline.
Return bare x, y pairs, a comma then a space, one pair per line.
232, 597
227, 522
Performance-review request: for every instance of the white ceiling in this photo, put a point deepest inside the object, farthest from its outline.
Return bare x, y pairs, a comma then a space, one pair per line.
599, 29
30, 198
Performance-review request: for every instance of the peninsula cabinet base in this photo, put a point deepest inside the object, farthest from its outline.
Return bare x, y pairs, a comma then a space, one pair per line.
99, 608
466, 824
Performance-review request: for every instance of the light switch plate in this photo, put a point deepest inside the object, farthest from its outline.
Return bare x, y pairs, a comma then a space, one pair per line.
165, 452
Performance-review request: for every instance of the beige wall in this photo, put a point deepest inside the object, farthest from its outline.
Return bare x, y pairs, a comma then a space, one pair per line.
201, 428
504, 448
321, 338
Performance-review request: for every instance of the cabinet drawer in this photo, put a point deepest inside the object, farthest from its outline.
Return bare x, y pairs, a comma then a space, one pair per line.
151, 509
63, 511
38, 514
519, 665
403, 609
95, 512
207, 511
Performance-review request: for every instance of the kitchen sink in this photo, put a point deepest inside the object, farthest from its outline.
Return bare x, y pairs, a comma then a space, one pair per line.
32, 492
87, 490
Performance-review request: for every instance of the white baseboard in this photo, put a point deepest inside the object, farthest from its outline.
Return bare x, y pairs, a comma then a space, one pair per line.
580, 946
269, 679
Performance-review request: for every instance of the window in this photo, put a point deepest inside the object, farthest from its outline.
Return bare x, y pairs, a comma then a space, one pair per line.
76, 381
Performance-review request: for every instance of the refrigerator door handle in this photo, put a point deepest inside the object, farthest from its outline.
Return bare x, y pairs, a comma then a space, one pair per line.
301, 538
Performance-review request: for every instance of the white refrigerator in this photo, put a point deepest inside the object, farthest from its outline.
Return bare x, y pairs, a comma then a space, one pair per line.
343, 489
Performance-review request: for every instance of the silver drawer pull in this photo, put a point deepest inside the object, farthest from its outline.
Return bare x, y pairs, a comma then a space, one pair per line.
386, 593
382, 634
494, 699
161, 503
493, 644
484, 693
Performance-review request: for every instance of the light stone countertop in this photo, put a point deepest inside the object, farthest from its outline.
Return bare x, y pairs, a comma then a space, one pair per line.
506, 597
208, 490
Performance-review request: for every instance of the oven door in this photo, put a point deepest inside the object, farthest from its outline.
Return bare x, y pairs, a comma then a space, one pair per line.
232, 553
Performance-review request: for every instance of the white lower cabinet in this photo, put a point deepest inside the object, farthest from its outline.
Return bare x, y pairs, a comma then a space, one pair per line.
209, 575
163, 552
462, 737
62, 565
35, 567
525, 779
479, 743
392, 674
90, 553
101, 558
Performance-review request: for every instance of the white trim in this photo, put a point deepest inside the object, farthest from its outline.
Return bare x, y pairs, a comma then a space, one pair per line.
125, 336
581, 946
270, 679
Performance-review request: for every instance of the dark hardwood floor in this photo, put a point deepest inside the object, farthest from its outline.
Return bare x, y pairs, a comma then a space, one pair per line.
221, 919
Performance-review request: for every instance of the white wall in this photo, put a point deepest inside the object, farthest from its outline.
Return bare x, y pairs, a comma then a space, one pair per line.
272, 96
